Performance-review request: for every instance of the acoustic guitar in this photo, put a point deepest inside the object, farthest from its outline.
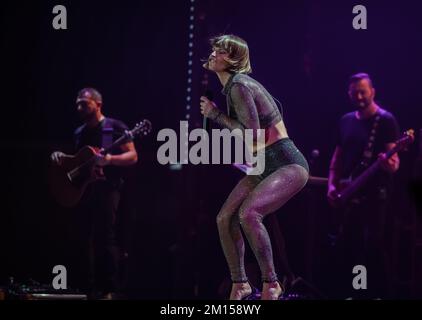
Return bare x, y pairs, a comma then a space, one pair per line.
69, 180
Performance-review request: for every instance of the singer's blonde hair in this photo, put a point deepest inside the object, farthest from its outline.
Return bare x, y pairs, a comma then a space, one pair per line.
237, 48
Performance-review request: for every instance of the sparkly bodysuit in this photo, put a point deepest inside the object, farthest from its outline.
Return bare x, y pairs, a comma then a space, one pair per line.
250, 106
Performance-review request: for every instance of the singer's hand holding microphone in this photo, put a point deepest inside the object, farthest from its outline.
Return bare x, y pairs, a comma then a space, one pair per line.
208, 108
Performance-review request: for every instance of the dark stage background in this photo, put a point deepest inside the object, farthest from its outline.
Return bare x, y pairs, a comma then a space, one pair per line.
136, 54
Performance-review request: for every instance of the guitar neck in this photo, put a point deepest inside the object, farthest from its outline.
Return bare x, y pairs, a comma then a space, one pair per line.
116, 143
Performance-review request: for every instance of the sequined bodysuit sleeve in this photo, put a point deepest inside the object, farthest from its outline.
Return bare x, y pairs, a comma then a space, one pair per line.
245, 111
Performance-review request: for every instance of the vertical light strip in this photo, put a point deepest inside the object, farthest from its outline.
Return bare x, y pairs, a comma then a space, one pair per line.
190, 61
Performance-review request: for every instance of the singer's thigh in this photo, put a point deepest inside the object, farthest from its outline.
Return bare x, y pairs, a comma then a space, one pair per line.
239, 193
275, 190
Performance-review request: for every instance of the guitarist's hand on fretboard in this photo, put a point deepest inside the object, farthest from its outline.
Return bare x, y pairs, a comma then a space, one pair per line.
389, 164
332, 195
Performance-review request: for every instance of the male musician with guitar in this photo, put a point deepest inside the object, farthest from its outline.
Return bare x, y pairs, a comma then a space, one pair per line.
97, 207
364, 137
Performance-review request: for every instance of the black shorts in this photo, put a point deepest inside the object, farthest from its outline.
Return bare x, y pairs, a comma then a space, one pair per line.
281, 153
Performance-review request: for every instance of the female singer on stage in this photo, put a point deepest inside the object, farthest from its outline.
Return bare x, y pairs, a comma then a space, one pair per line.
250, 106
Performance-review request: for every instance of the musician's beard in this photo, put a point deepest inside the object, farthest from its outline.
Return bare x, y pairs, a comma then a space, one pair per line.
362, 105
87, 117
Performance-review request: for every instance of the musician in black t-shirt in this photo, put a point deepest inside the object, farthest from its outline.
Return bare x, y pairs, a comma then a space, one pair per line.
96, 212
363, 136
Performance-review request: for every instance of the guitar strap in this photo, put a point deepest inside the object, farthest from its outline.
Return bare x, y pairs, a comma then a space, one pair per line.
107, 141
107, 134
368, 152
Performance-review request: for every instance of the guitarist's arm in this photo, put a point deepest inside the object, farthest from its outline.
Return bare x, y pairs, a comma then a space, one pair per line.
127, 158
334, 174
393, 163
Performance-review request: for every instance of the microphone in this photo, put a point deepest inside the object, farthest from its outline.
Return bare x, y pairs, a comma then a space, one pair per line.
315, 153
205, 124
314, 157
